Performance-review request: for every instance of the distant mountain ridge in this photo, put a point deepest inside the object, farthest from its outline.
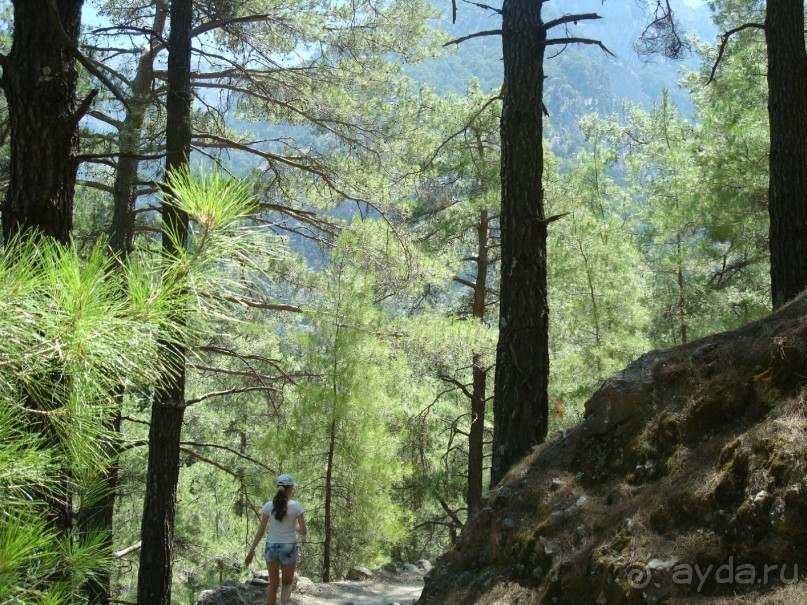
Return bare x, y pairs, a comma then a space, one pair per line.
581, 79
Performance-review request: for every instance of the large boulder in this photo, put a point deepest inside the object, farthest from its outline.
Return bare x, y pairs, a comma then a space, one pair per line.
240, 594
690, 461
250, 593
620, 398
359, 573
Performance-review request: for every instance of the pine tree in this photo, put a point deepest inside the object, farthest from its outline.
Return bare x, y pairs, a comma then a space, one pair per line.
339, 428
40, 72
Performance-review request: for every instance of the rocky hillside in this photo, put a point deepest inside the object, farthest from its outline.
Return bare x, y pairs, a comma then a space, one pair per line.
685, 483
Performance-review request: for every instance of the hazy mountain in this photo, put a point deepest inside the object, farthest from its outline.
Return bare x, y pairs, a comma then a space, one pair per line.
581, 78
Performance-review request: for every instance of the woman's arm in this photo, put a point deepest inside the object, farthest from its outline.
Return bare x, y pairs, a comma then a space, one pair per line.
301, 529
258, 536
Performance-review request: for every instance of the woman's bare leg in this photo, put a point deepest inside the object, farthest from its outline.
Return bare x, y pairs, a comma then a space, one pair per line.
288, 578
274, 579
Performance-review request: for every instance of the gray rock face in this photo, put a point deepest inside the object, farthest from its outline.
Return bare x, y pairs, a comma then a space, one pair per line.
223, 595
359, 573
305, 585
424, 564
250, 593
621, 396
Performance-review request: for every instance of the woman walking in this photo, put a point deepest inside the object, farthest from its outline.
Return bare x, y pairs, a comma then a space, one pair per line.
285, 519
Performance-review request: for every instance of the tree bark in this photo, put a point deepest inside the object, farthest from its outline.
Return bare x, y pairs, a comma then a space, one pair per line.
159, 509
787, 110
131, 132
328, 509
168, 406
97, 516
476, 439
520, 403
39, 80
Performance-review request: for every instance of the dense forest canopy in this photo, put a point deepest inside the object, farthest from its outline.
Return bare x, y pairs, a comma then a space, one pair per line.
292, 224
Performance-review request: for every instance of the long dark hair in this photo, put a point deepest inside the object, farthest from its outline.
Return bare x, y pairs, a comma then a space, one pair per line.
280, 503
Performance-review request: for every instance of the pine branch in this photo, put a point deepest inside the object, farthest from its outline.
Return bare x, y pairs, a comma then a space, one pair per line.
436, 522
111, 71
449, 512
260, 304
122, 553
221, 467
662, 35
231, 392
211, 25
144, 442
246, 358
465, 127
329, 125
250, 373
95, 185
490, 32
492, 9
88, 157
105, 118
82, 58
84, 107
231, 450
307, 217
146, 31
470, 284
725, 40
554, 217
570, 19
556, 41
458, 384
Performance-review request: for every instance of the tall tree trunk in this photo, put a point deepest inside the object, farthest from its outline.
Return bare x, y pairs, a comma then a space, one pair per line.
168, 407
131, 133
595, 310
787, 110
476, 439
328, 510
159, 509
98, 515
682, 307
39, 80
520, 404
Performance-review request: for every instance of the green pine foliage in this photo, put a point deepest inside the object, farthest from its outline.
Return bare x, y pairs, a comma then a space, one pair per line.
329, 325
703, 243
337, 436
78, 328
75, 330
598, 284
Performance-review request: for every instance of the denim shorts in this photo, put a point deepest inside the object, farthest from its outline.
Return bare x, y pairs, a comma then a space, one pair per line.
285, 553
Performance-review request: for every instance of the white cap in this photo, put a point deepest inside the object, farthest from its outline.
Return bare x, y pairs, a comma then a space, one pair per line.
285, 481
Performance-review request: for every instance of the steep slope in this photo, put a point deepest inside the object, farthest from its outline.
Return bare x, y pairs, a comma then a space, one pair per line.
685, 483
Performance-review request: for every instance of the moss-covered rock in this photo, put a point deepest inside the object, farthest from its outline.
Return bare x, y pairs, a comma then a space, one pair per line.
694, 456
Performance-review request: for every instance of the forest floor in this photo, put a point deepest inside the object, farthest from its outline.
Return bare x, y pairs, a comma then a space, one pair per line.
402, 588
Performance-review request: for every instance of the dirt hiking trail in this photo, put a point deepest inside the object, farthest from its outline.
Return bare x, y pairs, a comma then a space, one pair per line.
403, 588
